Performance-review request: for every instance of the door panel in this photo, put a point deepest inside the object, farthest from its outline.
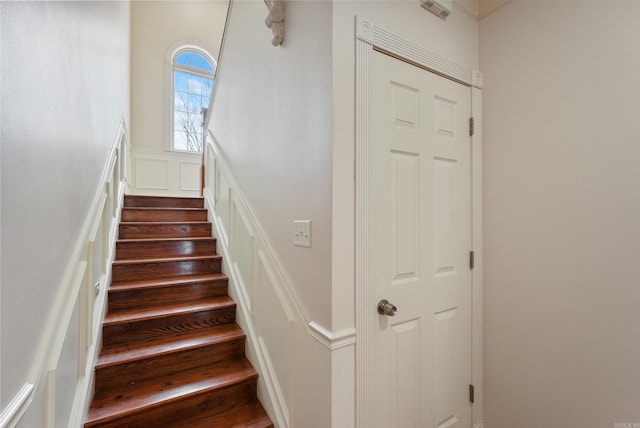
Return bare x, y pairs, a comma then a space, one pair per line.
405, 214
445, 189
406, 363
445, 368
422, 238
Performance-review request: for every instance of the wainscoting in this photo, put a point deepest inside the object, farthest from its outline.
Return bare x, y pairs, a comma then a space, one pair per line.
59, 387
162, 172
293, 354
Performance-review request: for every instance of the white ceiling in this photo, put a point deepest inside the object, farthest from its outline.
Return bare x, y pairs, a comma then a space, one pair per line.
481, 8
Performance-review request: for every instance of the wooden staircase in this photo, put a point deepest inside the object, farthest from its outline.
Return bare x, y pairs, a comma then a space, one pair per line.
172, 354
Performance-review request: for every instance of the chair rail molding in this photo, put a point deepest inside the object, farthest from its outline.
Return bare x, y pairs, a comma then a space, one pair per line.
330, 339
369, 38
14, 411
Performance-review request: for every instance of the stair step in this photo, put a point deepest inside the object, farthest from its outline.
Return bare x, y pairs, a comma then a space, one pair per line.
125, 352
162, 201
172, 354
148, 230
163, 311
149, 214
147, 293
148, 323
164, 247
154, 403
125, 364
132, 270
251, 415
164, 282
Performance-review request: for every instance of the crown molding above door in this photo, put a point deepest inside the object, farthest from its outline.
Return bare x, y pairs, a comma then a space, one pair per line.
394, 45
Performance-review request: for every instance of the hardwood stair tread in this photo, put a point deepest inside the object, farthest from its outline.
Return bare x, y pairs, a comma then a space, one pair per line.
179, 239
145, 200
164, 229
164, 267
160, 197
153, 393
164, 247
160, 214
160, 223
138, 314
251, 415
166, 282
127, 262
163, 208
119, 353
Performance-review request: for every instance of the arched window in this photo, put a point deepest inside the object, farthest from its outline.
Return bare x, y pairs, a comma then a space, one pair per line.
192, 77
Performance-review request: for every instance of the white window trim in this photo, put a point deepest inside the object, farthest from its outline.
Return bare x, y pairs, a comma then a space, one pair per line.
169, 86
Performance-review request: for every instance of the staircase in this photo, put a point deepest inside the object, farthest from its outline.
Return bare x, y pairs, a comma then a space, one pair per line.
172, 354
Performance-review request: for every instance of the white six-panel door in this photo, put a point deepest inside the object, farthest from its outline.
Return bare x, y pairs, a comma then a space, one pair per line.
422, 238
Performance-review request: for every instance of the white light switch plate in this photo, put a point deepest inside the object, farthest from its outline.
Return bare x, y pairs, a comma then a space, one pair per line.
302, 233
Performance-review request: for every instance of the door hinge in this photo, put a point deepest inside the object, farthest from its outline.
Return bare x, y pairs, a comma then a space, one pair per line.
471, 393
472, 259
472, 126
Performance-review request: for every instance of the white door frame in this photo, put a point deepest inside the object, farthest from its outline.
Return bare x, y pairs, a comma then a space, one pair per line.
370, 37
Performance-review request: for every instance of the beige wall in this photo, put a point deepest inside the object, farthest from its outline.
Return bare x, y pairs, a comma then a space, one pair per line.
158, 27
561, 214
65, 91
271, 120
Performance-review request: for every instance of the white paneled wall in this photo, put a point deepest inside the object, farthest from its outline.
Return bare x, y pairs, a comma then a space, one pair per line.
162, 172
276, 327
281, 338
59, 388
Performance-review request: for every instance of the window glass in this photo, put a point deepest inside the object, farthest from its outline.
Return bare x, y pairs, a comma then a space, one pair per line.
194, 60
192, 88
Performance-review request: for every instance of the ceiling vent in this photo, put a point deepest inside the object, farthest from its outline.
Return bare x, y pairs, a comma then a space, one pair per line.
441, 8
